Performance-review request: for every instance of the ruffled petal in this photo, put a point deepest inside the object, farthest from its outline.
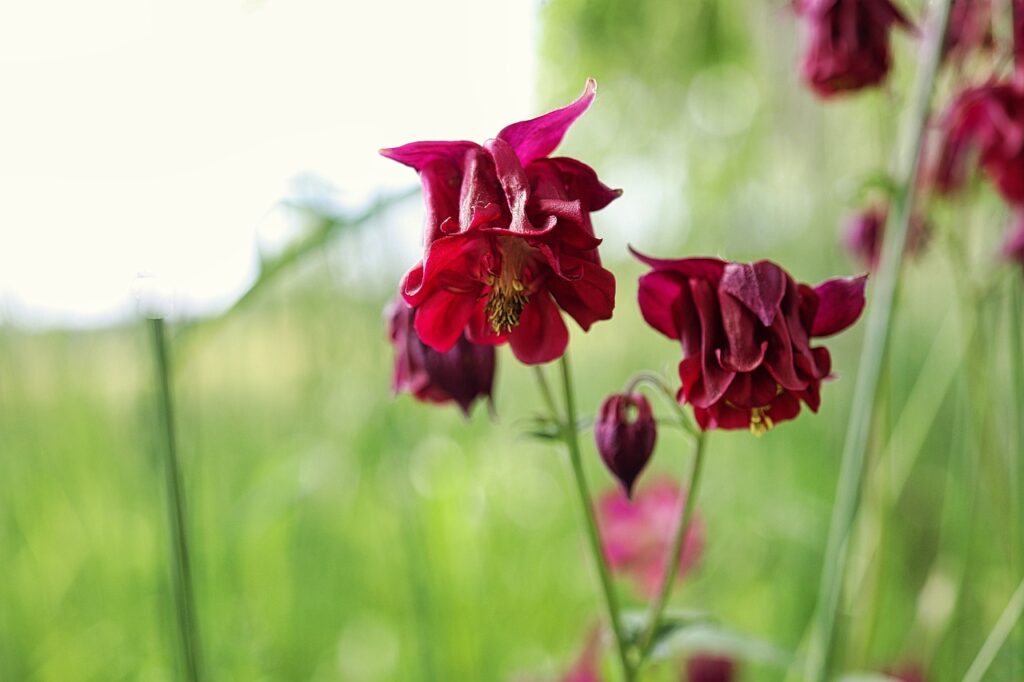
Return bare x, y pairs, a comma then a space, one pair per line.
716, 378
577, 180
587, 298
743, 351
441, 318
840, 303
709, 269
538, 137
541, 335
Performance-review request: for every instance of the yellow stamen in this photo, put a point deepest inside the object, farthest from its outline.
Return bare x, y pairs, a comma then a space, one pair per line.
508, 294
760, 422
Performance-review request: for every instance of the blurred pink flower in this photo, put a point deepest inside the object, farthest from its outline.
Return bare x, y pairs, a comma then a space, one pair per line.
587, 667
638, 535
710, 668
863, 233
1013, 246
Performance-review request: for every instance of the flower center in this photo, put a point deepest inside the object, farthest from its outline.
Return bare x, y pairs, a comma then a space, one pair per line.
760, 422
508, 293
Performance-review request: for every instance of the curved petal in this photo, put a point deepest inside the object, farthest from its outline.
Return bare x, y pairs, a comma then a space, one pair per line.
441, 180
744, 349
538, 137
418, 154
541, 335
452, 262
589, 298
759, 286
716, 378
709, 269
661, 299
840, 303
441, 318
577, 180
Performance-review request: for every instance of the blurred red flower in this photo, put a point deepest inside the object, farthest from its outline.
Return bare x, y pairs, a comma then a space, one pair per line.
587, 667
625, 432
746, 330
638, 534
1013, 245
508, 239
987, 123
970, 28
710, 668
847, 43
461, 374
863, 233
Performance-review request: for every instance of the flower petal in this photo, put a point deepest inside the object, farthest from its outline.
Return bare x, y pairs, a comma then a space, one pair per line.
538, 137
588, 298
840, 303
419, 154
759, 286
541, 335
661, 299
441, 318
709, 269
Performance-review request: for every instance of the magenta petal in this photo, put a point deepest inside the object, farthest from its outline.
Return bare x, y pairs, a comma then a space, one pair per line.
442, 317
538, 137
541, 335
709, 269
589, 298
840, 303
418, 154
759, 286
661, 302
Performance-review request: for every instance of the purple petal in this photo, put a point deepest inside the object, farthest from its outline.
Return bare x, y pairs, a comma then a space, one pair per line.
538, 137
840, 303
759, 286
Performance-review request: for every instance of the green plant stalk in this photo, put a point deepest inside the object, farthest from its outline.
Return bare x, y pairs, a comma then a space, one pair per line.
1016, 324
997, 637
819, 655
181, 574
573, 445
672, 562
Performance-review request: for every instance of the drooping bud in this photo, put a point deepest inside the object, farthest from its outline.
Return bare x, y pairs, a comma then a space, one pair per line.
625, 433
710, 668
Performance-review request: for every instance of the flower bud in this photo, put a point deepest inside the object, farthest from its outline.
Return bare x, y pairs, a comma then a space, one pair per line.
625, 433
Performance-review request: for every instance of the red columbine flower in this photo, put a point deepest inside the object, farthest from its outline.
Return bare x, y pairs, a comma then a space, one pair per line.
625, 433
461, 374
970, 27
508, 239
847, 43
746, 332
638, 535
986, 121
710, 668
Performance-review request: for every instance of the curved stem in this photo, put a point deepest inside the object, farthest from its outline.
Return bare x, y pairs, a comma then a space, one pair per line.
876, 340
573, 445
664, 389
672, 562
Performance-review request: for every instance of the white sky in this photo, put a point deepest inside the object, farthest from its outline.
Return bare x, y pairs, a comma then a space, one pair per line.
156, 136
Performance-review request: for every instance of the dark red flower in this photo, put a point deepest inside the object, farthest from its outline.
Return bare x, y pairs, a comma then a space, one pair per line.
1013, 245
746, 331
970, 28
847, 43
625, 433
907, 673
986, 123
508, 239
638, 534
710, 668
863, 233
461, 374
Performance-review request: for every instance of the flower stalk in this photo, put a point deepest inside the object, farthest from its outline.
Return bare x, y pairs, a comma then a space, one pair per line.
571, 438
819, 655
658, 605
181, 572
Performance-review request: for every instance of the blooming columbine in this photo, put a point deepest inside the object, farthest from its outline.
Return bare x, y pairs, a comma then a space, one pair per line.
988, 121
461, 374
508, 239
847, 43
746, 330
625, 433
638, 534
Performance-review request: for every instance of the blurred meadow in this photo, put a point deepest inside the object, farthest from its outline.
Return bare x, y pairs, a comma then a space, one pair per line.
341, 533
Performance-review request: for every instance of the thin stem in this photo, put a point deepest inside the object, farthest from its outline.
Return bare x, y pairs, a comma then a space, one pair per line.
181, 574
995, 640
545, 391
672, 562
593, 535
670, 398
819, 656
1016, 325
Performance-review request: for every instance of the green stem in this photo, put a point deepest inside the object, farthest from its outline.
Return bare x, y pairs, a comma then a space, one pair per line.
1016, 324
819, 655
997, 637
181, 574
672, 562
572, 443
